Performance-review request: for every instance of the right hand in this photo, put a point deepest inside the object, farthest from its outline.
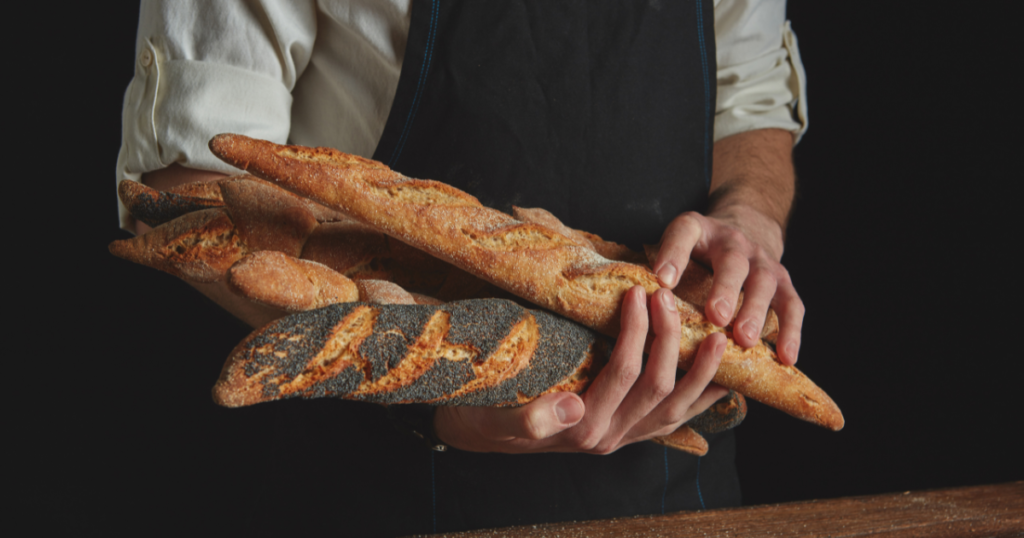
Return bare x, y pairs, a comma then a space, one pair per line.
623, 405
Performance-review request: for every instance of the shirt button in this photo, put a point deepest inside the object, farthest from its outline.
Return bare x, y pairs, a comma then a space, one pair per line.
146, 58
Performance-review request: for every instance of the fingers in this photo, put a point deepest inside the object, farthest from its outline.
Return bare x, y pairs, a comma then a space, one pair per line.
537, 420
529, 428
677, 244
616, 379
790, 309
759, 290
693, 394
658, 378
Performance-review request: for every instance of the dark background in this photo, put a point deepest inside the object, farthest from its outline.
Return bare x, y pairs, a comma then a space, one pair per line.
901, 244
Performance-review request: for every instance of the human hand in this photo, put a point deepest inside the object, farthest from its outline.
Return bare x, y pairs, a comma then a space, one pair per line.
627, 402
743, 247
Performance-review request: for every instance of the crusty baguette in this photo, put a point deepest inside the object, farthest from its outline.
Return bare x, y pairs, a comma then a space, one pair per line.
488, 352
290, 284
685, 439
157, 207
529, 260
257, 216
725, 414
198, 246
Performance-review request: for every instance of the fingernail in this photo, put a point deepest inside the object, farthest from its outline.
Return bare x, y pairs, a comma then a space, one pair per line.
720, 348
749, 331
667, 274
669, 301
568, 411
724, 309
791, 350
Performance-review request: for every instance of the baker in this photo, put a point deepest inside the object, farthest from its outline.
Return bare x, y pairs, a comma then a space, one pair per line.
614, 117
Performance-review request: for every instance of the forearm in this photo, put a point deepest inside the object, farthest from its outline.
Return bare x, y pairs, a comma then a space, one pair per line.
251, 313
753, 180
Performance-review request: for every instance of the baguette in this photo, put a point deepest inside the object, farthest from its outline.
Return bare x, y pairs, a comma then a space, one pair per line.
529, 260
685, 439
725, 414
294, 285
290, 284
155, 207
488, 352
199, 247
253, 216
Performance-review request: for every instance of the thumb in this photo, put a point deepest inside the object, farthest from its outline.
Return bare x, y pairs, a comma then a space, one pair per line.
538, 419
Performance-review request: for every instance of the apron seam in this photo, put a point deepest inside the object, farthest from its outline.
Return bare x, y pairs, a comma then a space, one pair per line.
420, 84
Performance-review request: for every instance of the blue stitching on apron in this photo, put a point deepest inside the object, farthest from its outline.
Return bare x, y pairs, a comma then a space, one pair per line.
699, 496
707, 105
424, 68
665, 490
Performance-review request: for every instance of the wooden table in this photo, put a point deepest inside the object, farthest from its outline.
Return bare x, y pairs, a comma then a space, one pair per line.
995, 510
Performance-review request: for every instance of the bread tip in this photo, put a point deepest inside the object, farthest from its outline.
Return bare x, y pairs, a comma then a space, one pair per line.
839, 422
123, 248
225, 397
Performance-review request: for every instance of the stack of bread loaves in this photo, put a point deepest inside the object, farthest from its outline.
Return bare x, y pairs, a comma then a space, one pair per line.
377, 320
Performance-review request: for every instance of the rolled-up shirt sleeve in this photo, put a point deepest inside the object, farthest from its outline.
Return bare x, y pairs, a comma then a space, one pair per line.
761, 81
184, 90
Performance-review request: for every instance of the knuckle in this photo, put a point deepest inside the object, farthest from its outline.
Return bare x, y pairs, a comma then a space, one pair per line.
688, 219
628, 373
588, 440
531, 426
660, 389
674, 417
735, 237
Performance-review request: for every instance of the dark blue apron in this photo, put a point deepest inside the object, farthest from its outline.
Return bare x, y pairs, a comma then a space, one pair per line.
602, 113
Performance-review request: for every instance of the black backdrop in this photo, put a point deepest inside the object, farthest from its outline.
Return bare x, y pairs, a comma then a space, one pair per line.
901, 245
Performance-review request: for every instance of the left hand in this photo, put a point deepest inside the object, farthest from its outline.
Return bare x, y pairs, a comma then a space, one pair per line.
744, 248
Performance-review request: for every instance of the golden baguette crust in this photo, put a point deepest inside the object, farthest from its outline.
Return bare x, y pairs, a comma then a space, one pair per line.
267, 217
685, 439
526, 259
157, 207
290, 284
487, 352
198, 246
383, 292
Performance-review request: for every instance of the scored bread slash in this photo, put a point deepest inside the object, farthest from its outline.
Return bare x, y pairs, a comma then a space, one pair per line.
487, 352
198, 246
526, 259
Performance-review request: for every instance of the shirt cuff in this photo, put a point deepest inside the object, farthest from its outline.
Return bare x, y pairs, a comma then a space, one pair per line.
768, 92
173, 108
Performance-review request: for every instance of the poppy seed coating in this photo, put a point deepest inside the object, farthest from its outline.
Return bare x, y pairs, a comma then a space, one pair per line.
398, 362
166, 206
286, 346
725, 414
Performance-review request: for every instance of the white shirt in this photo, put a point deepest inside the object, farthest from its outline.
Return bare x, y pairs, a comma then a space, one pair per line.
324, 73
